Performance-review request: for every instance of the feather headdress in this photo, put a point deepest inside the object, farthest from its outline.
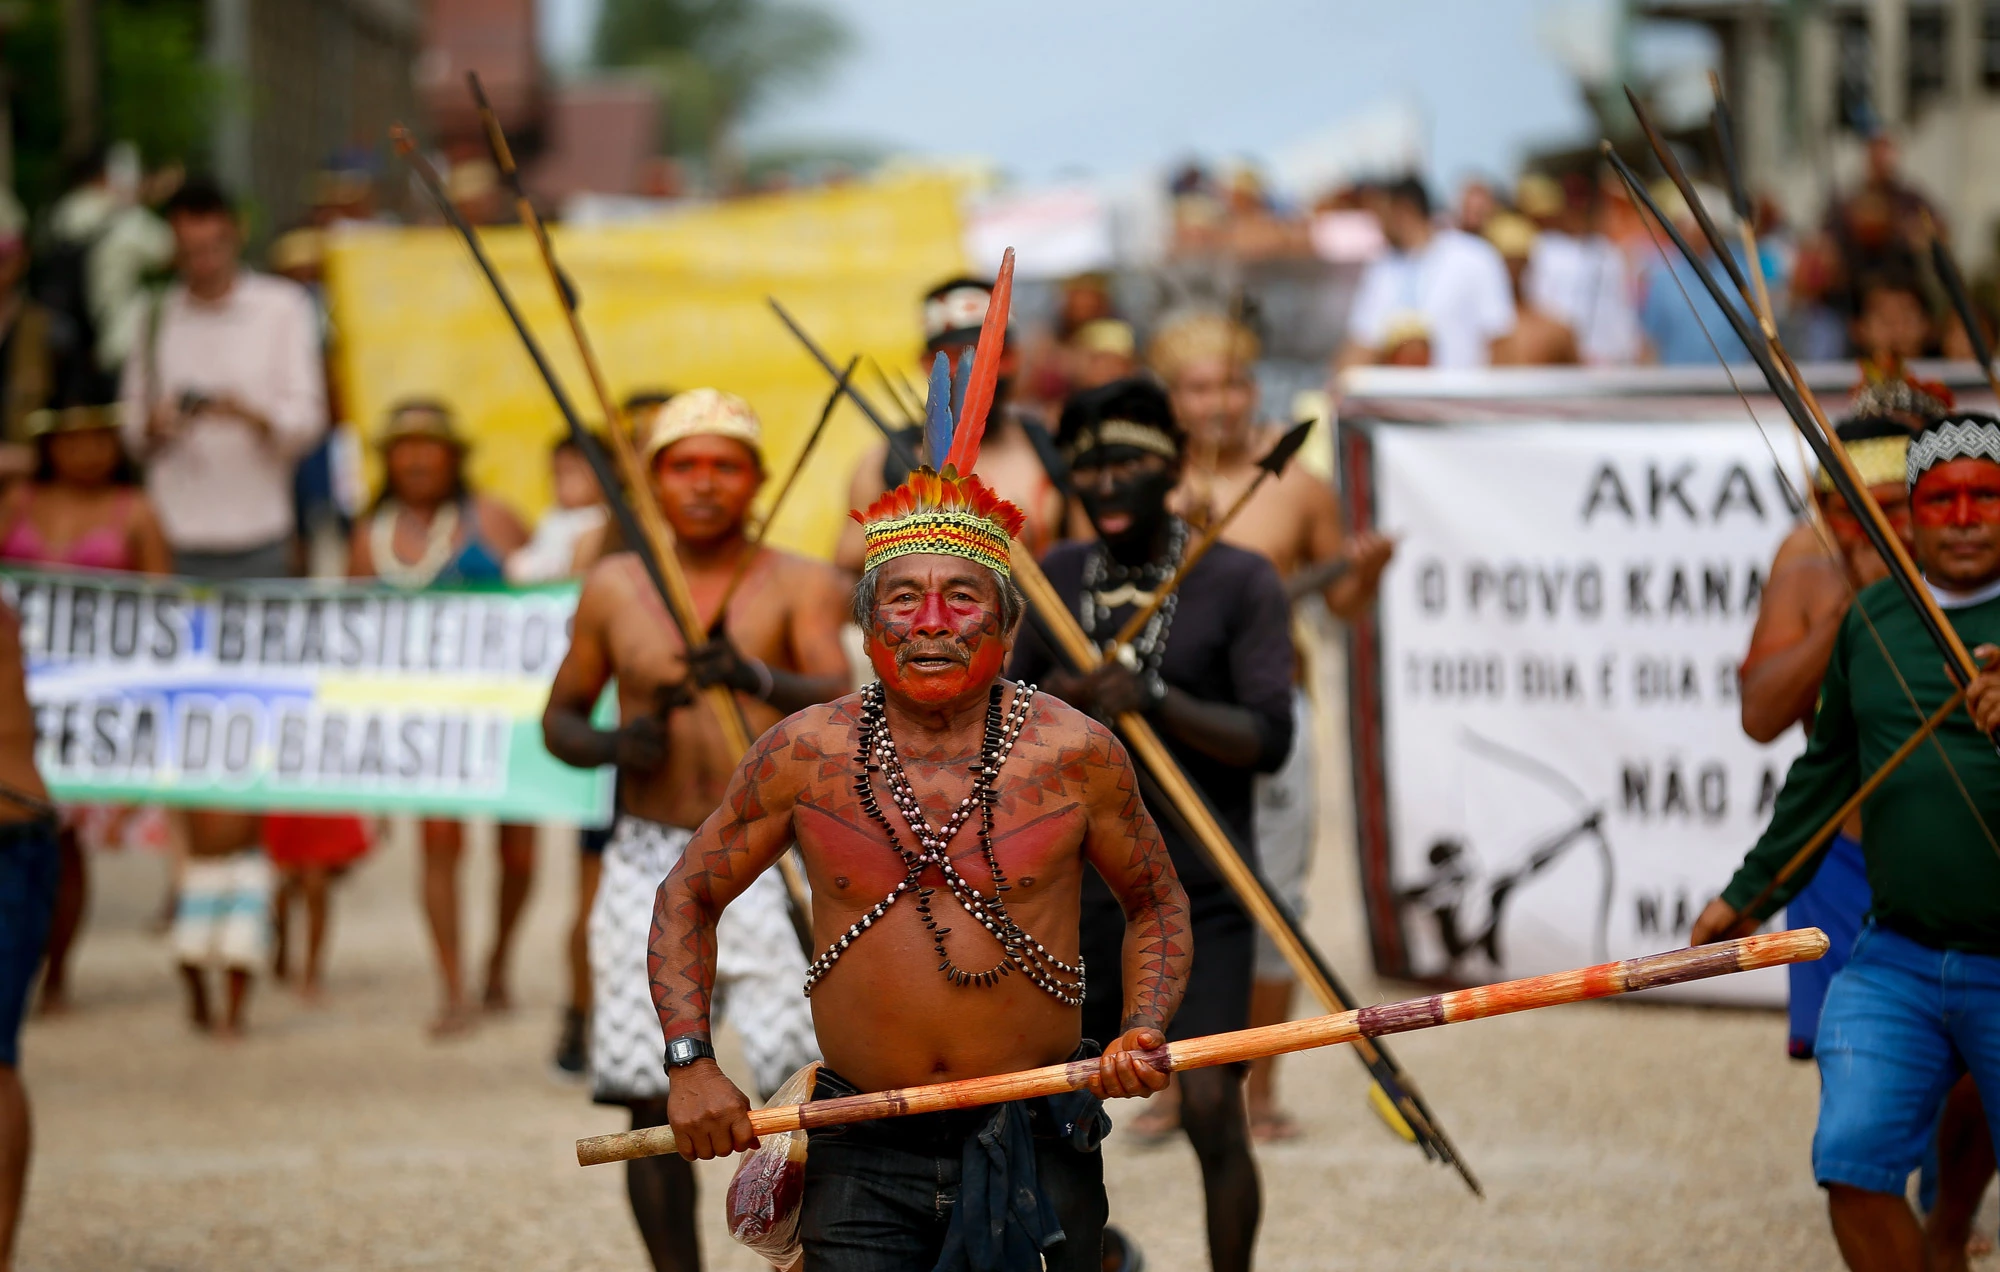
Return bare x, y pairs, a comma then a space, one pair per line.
945, 509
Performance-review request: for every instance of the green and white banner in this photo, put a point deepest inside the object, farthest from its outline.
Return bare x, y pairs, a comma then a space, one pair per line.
299, 696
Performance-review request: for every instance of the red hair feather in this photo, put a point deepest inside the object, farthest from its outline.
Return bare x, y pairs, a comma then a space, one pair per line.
971, 425
927, 491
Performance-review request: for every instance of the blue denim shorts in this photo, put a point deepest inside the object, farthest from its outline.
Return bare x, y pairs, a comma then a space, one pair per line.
28, 869
1902, 1021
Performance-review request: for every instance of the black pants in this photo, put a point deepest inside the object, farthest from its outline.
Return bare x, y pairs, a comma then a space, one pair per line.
879, 1195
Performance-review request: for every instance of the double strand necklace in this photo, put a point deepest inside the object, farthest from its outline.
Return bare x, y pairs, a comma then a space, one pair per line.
1019, 951
1149, 648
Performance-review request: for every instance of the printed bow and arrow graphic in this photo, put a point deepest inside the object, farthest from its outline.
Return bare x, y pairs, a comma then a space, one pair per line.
1442, 893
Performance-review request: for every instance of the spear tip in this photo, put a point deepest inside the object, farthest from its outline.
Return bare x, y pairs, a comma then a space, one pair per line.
1281, 454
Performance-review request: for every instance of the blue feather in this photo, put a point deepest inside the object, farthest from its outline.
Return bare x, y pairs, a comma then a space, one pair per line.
938, 413
965, 360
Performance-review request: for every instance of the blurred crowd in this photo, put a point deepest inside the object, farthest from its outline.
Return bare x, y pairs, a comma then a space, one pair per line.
1564, 269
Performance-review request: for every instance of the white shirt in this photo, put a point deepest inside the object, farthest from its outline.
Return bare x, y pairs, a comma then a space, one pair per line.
1583, 284
551, 553
1457, 282
220, 486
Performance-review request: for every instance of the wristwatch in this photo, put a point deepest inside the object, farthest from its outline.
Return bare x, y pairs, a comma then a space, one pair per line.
686, 1050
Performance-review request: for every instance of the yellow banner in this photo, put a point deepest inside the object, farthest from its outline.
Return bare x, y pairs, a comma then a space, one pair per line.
675, 303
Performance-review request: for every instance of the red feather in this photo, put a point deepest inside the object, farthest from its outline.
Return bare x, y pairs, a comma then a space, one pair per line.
985, 374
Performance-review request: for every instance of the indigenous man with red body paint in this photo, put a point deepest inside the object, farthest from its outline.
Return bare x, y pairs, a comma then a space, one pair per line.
781, 652
947, 819
1919, 1000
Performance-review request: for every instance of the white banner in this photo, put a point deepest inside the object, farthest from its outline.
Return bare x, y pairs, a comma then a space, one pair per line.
1564, 776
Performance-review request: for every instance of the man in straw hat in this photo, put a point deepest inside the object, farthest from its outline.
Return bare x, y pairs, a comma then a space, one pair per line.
1207, 363
779, 647
947, 819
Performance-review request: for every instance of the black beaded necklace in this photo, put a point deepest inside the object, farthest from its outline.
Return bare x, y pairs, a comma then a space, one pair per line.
1019, 951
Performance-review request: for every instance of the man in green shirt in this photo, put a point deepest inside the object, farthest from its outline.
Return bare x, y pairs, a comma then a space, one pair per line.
1919, 1001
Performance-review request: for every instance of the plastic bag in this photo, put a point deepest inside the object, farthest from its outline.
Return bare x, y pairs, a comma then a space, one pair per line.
770, 1181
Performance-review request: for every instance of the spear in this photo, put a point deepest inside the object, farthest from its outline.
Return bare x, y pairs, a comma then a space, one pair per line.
1627, 976
791, 479
1270, 466
1203, 827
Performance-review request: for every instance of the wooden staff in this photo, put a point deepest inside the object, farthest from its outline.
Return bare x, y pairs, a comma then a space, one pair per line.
1201, 823
1270, 466
791, 479
1627, 976
1811, 423
667, 574
1397, 1088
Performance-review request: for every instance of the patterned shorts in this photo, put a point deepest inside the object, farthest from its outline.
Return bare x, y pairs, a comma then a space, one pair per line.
759, 975
1287, 820
223, 917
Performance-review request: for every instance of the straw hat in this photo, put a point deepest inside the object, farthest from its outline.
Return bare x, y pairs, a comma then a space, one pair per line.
71, 419
421, 417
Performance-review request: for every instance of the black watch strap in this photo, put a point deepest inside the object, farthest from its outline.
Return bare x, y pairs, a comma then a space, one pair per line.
686, 1050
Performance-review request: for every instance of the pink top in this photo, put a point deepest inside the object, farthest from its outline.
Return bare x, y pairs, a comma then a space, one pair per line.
105, 548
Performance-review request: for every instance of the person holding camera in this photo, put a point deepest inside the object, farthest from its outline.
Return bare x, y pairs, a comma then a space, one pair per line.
223, 395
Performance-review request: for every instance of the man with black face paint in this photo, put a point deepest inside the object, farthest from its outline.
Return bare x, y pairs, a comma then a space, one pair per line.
1213, 670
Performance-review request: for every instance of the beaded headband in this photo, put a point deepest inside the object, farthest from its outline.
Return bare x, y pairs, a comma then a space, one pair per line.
937, 510
1967, 436
1124, 433
1881, 461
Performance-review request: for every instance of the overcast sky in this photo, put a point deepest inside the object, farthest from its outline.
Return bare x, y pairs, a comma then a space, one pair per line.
1053, 87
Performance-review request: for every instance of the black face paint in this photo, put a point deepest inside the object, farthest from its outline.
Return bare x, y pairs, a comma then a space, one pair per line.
1142, 499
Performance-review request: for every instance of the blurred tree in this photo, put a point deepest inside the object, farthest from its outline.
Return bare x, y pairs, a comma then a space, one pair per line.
718, 60
155, 90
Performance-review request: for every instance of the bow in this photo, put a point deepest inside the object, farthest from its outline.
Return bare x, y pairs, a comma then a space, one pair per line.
1768, 351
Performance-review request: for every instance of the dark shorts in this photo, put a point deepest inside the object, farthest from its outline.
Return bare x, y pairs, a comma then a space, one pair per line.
28, 868
265, 561
1218, 989
879, 1195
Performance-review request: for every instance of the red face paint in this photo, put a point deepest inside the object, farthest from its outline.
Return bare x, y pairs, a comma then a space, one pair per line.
1894, 500
705, 484
935, 637
1962, 492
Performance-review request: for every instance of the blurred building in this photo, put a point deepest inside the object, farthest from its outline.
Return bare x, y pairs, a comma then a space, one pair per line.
307, 79
1810, 81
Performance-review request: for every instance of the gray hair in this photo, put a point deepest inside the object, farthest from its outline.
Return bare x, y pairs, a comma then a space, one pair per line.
1012, 602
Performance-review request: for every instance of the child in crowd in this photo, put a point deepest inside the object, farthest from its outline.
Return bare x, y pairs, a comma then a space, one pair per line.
579, 511
569, 537
224, 916
308, 852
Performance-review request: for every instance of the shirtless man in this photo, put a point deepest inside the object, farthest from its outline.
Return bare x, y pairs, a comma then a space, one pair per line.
1206, 362
781, 651
1010, 464
28, 865
908, 859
